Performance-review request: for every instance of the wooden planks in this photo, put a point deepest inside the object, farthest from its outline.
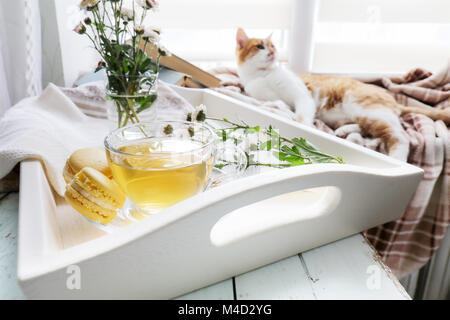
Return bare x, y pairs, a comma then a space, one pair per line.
345, 269
350, 269
9, 289
219, 291
283, 280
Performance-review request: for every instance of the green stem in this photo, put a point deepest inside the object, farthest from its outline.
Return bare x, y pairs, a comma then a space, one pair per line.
271, 133
261, 164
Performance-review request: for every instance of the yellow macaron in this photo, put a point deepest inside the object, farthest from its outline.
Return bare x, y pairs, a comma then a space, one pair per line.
86, 157
94, 195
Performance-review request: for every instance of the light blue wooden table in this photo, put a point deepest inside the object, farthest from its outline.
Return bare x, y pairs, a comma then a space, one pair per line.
345, 269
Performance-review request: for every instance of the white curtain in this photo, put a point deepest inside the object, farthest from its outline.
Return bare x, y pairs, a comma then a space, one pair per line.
20, 51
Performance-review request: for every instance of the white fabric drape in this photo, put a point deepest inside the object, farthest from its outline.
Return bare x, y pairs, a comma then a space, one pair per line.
20, 51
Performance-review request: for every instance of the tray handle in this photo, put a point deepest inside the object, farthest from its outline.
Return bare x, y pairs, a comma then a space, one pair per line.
340, 189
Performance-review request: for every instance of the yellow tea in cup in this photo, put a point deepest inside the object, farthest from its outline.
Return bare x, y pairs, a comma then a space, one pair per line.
156, 173
158, 164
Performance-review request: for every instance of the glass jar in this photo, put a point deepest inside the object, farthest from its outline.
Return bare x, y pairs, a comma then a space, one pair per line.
130, 97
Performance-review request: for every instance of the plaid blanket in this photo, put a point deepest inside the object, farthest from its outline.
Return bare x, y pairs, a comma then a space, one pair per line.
408, 243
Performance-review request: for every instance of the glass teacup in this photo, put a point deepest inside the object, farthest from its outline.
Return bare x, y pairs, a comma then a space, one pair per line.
159, 164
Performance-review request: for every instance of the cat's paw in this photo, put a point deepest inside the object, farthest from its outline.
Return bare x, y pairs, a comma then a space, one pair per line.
284, 113
304, 120
345, 130
277, 104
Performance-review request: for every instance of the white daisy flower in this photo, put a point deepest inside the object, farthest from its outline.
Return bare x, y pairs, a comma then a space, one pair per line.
155, 29
80, 28
139, 29
199, 114
88, 4
163, 51
147, 4
126, 13
150, 35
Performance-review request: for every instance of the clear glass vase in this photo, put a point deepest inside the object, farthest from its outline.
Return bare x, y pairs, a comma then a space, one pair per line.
130, 97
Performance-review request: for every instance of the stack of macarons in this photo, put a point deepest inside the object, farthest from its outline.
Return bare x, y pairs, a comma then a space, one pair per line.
86, 157
90, 188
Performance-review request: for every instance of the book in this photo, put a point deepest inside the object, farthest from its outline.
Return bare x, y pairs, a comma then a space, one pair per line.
188, 82
177, 78
180, 65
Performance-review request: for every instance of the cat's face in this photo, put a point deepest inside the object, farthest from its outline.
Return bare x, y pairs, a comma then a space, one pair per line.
254, 53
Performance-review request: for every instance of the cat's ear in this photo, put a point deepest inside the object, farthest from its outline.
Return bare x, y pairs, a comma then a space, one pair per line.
270, 36
241, 38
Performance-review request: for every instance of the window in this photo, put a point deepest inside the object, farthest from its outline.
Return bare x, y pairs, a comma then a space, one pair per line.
204, 32
350, 36
381, 36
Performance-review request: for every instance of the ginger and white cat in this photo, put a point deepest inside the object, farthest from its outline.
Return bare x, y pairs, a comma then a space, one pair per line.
335, 100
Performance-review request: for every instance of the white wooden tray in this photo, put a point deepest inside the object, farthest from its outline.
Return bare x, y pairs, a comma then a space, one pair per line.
226, 231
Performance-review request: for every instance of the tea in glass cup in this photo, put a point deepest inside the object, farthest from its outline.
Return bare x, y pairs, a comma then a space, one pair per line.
159, 164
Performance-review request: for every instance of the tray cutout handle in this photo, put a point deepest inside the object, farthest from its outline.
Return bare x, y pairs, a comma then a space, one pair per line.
275, 212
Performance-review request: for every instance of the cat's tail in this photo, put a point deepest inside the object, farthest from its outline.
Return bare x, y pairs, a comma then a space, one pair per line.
433, 113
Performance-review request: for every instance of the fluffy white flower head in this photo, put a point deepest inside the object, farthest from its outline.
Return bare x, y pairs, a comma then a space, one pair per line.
163, 51
139, 29
126, 13
87, 4
147, 4
150, 34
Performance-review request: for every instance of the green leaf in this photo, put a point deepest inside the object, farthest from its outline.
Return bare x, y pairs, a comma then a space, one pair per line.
289, 151
220, 165
295, 160
251, 130
146, 103
266, 145
314, 154
273, 133
280, 155
263, 146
